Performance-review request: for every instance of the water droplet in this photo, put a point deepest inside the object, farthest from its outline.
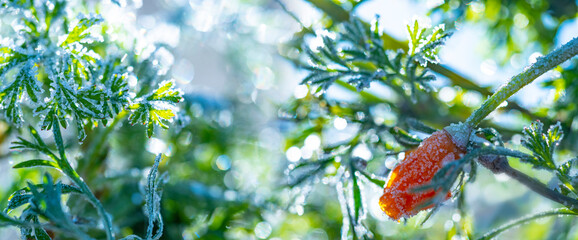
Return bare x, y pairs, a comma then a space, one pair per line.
263, 78
390, 162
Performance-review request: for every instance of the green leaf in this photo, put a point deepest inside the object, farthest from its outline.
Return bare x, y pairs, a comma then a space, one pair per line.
166, 93
23, 196
156, 108
18, 199
424, 47
5, 220
542, 144
36, 163
41, 234
39, 146
78, 33
152, 200
10, 59
357, 201
48, 203
565, 167
420, 126
379, 182
404, 137
24, 81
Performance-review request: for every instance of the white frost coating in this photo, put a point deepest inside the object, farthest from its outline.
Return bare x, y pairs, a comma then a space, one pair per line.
460, 134
542, 65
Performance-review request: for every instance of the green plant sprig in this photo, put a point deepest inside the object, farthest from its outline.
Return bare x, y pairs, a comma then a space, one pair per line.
61, 163
69, 171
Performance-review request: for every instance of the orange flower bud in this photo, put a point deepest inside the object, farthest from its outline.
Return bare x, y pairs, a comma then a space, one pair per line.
418, 168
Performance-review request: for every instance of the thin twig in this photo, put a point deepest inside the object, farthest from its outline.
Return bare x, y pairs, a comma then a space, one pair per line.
499, 164
554, 212
291, 14
541, 66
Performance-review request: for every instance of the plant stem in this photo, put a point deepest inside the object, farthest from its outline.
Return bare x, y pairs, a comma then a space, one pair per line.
96, 148
517, 82
73, 175
465, 83
554, 212
499, 164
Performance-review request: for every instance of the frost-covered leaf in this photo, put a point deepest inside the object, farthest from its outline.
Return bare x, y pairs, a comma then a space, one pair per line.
153, 199
567, 166
41, 234
156, 108
47, 202
424, 42
18, 199
79, 32
10, 59
355, 53
542, 144
88, 103
11, 95
357, 198
36, 163
404, 137
567, 173
420, 126
166, 93
118, 95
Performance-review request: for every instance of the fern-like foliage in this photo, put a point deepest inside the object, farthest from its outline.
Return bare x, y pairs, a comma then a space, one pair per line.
357, 54
153, 192
542, 144
65, 79
154, 108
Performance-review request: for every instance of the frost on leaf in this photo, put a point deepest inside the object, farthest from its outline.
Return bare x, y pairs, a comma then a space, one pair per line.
542, 144
424, 47
79, 32
356, 53
157, 107
418, 168
24, 81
